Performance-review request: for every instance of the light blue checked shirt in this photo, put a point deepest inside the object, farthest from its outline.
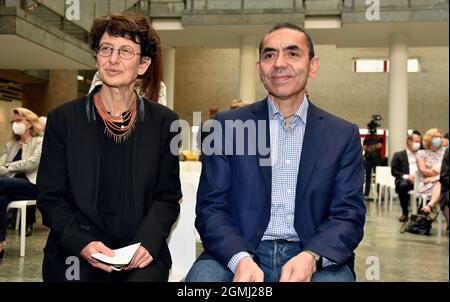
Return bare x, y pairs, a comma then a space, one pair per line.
285, 151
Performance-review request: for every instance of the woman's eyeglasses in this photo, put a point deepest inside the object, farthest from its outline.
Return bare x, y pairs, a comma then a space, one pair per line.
125, 52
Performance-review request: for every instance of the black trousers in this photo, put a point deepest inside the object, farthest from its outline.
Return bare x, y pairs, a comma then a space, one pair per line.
157, 271
402, 187
12, 189
370, 168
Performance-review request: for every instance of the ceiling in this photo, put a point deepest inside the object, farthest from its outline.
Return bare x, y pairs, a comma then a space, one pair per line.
22, 54
350, 35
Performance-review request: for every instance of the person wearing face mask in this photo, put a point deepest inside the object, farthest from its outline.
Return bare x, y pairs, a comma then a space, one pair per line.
18, 166
445, 141
439, 194
404, 168
429, 162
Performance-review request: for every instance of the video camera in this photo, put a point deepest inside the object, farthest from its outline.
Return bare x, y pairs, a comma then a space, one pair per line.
372, 125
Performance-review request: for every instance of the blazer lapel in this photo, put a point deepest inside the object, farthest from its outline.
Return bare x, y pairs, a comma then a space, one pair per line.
144, 153
311, 145
262, 120
406, 161
91, 157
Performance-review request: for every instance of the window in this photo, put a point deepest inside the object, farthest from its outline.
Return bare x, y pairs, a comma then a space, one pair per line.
370, 65
381, 65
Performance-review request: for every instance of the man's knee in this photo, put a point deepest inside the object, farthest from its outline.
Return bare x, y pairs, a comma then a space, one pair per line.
343, 274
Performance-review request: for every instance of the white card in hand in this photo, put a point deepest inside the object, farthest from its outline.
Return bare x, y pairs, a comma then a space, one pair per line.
122, 257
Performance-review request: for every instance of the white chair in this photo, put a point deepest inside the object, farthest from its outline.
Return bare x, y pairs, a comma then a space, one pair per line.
382, 175
191, 174
21, 206
182, 243
390, 187
416, 198
190, 166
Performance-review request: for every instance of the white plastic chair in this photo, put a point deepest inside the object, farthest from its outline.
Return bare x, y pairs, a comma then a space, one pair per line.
182, 239
382, 175
190, 166
21, 205
416, 198
390, 187
190, 173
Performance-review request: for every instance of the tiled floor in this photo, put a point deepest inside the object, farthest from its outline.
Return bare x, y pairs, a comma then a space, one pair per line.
400, 257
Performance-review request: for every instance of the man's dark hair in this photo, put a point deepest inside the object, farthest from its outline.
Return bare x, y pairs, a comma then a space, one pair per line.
288, 25
416, 132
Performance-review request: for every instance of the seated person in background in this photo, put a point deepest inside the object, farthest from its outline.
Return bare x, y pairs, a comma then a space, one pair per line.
403, 168
429, 162
18, 167
439, 193
237, 103
445, 141
42, 123
12, 213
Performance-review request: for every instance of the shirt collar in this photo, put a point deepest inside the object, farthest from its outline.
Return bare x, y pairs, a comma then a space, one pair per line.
410, 153
302, 111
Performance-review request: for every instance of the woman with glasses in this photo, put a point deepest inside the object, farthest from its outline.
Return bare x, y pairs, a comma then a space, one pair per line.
108, 178
19, 164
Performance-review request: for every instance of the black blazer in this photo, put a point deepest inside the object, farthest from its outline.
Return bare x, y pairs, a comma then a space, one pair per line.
68, 181
444, 179
399, 164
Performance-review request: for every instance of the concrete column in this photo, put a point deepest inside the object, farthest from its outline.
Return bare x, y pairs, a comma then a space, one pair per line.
62, 87
169, 74
247, 72
398, 93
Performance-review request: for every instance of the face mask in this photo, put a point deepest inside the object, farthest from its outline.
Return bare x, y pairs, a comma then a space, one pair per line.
415, 146
18, 128
436, 142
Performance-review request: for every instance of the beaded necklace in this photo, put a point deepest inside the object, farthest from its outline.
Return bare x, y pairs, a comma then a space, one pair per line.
119, 128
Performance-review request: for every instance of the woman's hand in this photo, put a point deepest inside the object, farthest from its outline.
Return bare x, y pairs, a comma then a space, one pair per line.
429, 180
3, 170
141, 259
97, 247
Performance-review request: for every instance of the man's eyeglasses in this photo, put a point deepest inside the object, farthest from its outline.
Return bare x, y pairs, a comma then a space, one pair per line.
125, 52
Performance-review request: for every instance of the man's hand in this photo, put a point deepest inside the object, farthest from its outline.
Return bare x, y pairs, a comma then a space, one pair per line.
97, 247
248, 271
141, 259
299, 269
411, 179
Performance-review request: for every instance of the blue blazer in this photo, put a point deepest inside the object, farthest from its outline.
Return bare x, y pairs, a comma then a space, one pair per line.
234, 194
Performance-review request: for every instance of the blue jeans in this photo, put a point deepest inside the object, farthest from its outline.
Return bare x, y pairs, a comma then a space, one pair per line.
273, 255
